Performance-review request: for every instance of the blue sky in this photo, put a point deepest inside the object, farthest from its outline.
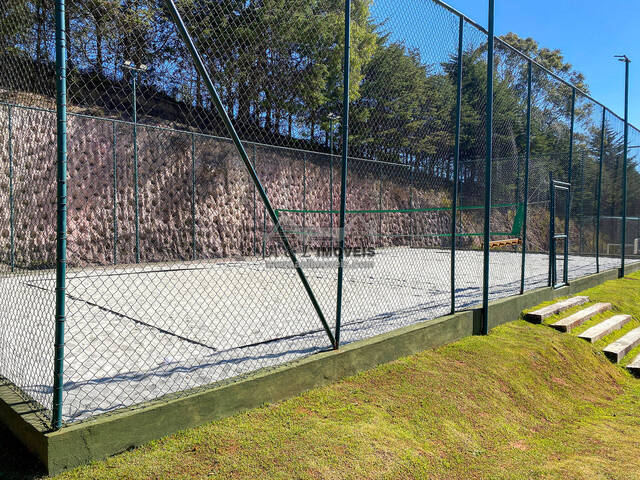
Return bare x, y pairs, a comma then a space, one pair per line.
588, 32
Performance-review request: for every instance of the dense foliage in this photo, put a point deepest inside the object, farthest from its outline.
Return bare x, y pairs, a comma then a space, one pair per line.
278, 67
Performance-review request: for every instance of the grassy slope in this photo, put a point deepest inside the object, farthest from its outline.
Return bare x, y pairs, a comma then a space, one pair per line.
524, 402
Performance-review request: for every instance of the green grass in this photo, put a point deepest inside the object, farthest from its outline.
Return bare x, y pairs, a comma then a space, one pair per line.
523, 402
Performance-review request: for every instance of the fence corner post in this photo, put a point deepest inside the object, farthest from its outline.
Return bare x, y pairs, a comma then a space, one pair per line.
61, 223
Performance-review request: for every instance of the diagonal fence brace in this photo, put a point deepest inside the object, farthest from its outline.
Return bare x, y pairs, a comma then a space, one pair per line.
198, 63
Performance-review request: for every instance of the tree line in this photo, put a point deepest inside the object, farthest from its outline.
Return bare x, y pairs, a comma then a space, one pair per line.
278, 67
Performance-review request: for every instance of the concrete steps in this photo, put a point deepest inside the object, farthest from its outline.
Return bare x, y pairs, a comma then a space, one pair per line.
572, 321
604, 328
615, 351
539, 315
618, 349
634, 366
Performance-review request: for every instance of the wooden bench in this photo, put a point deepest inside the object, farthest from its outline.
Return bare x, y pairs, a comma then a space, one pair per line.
505, 243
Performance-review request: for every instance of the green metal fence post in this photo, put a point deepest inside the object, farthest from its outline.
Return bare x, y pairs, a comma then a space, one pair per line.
567, 217
582, 199
411, 213
204, 73
487, 172
331, 192
599, 192
551, 227
61, 224
456, 162
304, 203
134, 76
625, 162
114, 144
345, 153
193, 197
264, 228
380, 242
527, 158
552, 233
12, 246
332, 117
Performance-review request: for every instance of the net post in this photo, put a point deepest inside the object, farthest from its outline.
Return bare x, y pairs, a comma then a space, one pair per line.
456, 162
304, 203
114, 144
487, 171
255, 219
343, 173
599, 190
193, 196
331, 191
411, 212
12, 246
264, 229
61, 223
525, 195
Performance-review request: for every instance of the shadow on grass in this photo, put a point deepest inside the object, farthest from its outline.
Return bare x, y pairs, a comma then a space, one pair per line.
16, 463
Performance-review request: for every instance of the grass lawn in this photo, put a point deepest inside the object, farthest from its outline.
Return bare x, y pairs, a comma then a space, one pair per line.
523, 402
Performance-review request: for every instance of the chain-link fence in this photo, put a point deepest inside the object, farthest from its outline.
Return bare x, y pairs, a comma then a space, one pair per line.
195, 256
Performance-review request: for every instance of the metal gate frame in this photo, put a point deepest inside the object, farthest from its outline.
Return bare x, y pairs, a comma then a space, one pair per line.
553, 237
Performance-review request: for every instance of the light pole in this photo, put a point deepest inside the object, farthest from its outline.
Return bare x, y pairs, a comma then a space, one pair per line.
332, 118
135, 70
625, 59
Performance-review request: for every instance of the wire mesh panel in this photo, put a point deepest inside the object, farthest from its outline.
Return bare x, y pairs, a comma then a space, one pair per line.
27, 201
398, 220
611, 198
550, 154
508, 169
168, 288
471, 170
585, 180
181, 275
633, 197
27, 236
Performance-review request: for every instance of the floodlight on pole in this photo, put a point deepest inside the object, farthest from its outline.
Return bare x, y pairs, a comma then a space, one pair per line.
626, 61
135, 70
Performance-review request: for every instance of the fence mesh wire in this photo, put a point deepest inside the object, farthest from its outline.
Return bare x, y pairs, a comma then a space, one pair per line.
176, 275
633, 201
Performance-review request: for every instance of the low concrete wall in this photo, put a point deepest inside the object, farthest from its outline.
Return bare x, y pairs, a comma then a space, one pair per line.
113, 433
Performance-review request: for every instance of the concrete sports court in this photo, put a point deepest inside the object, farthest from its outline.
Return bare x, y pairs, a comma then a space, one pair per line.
137, 333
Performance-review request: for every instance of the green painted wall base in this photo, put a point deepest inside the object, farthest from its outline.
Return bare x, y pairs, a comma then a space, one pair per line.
113, 433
